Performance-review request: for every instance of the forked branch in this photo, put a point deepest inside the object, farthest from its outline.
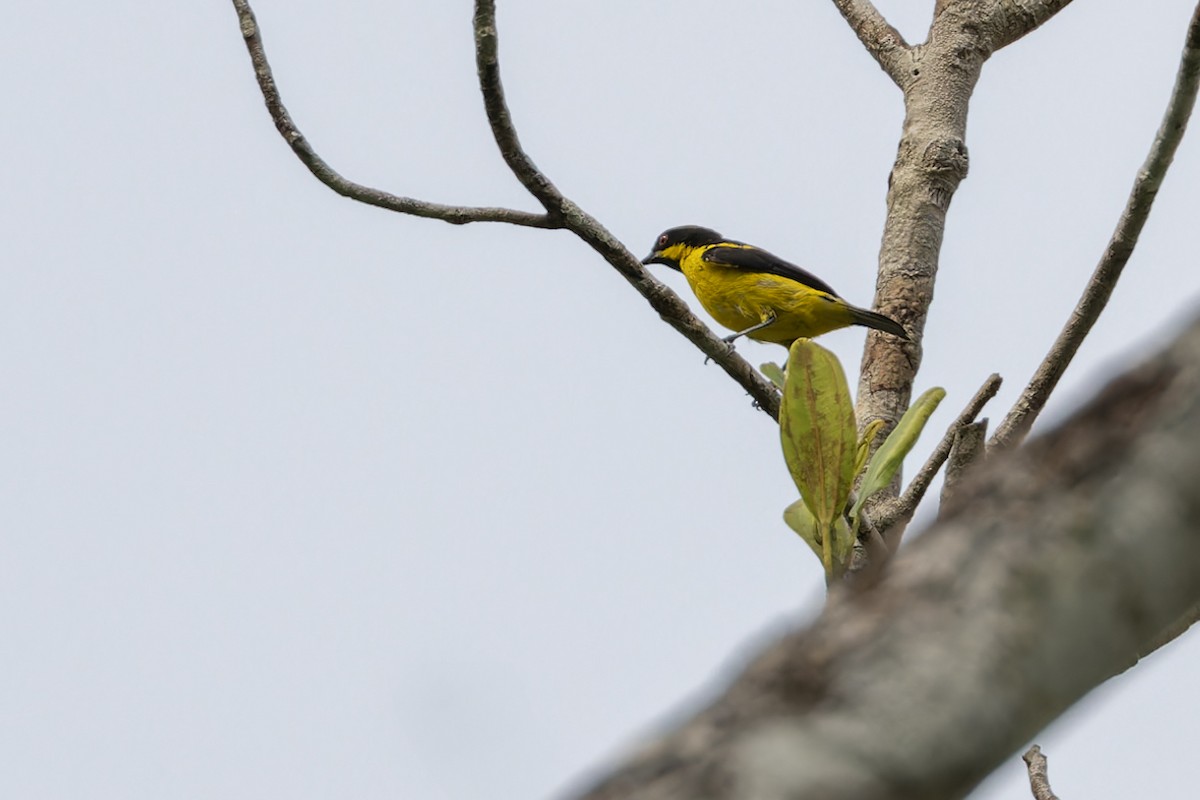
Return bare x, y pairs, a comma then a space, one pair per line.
668, 305
327, 175
937, 79
883, 42
560, 212
1016, 424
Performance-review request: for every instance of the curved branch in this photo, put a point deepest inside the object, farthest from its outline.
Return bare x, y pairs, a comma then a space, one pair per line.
883, 42
457, 215
668, 304
1063, 560
1016, 424
487, 64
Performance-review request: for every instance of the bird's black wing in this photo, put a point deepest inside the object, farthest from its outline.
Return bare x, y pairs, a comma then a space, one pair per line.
752, 259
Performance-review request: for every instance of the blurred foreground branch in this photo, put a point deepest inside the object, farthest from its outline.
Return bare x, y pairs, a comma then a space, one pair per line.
1060, 563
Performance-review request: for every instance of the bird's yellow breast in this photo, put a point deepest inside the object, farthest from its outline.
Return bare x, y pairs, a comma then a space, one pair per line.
738, 299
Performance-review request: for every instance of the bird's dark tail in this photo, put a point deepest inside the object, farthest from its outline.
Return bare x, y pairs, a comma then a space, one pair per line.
878, 321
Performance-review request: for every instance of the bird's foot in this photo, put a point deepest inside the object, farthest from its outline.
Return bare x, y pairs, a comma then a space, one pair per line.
729, 348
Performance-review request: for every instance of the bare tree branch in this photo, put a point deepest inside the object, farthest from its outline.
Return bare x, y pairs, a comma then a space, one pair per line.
487, 63
560, 211
457, 215
1015, 18
1039, 781
897, 514
931, 162
1067, 557
668, 305
1016, 424
970, 444
883, 42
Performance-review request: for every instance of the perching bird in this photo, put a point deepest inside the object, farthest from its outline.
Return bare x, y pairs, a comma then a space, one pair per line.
758, 294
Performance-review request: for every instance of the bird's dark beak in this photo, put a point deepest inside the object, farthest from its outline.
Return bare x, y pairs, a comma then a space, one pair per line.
659, 258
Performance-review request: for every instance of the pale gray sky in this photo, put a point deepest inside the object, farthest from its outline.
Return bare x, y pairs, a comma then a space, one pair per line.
305, 499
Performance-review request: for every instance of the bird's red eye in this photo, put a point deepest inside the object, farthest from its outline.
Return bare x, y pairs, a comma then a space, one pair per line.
662, 240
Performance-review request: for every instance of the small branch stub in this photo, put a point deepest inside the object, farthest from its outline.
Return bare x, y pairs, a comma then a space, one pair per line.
969, 443
1039, 782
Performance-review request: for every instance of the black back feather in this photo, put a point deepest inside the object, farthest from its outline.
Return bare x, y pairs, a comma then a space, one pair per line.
752, 259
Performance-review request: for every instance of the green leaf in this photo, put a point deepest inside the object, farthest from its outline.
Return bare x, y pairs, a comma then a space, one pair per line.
843, 549
864, 444
774, 373
900, 441
817, 430
801, 520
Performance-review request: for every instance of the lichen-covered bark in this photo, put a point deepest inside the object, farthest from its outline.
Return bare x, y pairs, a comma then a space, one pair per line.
931, 161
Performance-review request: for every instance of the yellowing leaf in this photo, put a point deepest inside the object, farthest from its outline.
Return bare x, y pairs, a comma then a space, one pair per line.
864, 444
817, 430
773, 372
801, 520
816, 424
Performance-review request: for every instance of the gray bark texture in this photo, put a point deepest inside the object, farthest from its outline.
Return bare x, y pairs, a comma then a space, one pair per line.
1064, 562
937, 78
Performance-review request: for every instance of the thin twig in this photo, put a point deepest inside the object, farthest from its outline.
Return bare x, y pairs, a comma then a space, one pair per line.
897, 514
1016, 424
883, 42
1039, 782
668, 305
457, 215
487, 64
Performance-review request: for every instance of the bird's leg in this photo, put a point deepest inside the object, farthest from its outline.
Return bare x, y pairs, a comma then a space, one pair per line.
733, 337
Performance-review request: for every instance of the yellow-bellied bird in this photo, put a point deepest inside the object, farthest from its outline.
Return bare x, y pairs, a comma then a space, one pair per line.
757, 294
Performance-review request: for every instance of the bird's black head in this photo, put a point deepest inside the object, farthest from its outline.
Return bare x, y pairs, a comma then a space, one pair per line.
673, 243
